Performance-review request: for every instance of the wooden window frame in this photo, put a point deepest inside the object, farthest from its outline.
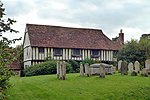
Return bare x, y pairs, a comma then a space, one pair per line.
58, 51
76, 52
95, 53
41, 50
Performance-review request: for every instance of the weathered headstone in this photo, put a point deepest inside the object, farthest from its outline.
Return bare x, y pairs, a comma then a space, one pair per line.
124, 68
87, 72
130, 67
147, 64
102, 71
119, 64
58, 69
144, 72
137, 66
64, 70
81, 70
94, 71
61, 70
113, 69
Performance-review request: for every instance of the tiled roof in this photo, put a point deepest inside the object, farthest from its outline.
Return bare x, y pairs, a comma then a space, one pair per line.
66, 37
15, 65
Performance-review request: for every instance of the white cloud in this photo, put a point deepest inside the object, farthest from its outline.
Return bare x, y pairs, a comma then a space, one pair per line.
110, 16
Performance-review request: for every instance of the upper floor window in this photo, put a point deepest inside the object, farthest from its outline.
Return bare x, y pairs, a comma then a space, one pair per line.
76, 52
58, 52
95, 53
41, 50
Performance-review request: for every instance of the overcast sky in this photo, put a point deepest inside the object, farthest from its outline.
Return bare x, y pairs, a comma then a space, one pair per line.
133, 16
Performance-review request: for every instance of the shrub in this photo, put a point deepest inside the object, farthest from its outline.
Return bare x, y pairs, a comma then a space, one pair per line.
134, 73
68, 68
75, 66
44, 68
88, 60
5, 74
48, 67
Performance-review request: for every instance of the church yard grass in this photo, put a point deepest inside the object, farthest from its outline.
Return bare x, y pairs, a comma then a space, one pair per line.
48, 87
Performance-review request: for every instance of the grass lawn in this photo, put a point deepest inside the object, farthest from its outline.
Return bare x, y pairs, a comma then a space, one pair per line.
47, 87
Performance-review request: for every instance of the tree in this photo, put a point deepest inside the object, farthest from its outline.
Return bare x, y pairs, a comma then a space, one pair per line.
145, 45
6, 51
132, 52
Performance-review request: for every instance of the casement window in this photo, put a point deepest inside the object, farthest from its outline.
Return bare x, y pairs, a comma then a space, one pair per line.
41, 50
76, 52
58, 52
95, 53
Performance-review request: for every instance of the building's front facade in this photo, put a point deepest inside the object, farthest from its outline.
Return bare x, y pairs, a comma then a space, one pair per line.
64, 43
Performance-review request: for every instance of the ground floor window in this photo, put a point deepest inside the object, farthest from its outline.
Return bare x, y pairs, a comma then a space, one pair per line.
57, 52
76, 52
95, 53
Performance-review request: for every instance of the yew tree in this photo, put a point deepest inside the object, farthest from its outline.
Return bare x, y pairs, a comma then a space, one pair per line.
131, 52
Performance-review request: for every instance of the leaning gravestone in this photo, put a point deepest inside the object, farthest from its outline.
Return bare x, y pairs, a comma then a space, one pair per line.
87, 72
102, 71
81, 70
137, 66
124, 68
130, 67
147, 64
119, 65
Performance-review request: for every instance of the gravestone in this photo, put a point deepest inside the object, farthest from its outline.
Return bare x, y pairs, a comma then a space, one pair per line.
124, 68
119, 64
102, 71
130, 67
144, 72
61, 70
147, 64
94, 71
81, 70
113, 69
94, 68
137, 66
64, 70
108, 68
87, 72
58, 69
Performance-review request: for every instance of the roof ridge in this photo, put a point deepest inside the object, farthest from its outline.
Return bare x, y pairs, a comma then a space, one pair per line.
83, 28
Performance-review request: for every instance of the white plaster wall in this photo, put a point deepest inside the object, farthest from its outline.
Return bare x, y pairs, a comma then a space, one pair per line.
26, 40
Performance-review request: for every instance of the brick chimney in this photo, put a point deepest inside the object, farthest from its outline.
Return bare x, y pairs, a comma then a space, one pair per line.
121, 37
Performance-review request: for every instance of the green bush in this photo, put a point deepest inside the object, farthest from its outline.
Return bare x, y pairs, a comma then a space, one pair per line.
44, 68
88, 60
5, 74
74, 66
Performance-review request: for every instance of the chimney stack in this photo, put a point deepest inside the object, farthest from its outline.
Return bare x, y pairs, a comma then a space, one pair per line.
121, 37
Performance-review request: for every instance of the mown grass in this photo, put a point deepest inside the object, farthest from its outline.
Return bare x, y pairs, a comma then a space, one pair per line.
47, 87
